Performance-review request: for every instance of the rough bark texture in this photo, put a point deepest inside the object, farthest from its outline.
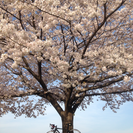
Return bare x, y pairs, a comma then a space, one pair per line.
67, 121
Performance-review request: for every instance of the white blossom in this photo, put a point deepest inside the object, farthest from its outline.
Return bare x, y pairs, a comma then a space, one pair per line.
72, 43
130, 56
126, 78
82, 62
129, 69
66, 85
14, 65
77, 95
31, 91
104, 68
39, 58
78, 27
3, 57
64, 76
74, 85
81, 77
78, 88
119, 72
111, 73
17, 59
25, 51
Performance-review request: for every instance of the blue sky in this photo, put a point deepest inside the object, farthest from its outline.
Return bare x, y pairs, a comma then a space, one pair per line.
92, 120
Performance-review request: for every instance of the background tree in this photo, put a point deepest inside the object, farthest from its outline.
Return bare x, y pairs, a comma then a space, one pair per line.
65, 53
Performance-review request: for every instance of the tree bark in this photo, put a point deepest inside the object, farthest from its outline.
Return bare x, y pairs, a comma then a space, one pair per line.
67, 121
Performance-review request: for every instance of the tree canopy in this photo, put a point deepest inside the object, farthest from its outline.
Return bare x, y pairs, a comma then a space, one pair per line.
65, 52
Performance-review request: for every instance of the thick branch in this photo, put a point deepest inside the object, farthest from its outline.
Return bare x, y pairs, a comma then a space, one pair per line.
67, 100
47, 95
34, 75
58, 108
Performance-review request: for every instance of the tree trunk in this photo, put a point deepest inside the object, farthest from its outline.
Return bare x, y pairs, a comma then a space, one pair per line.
67, 121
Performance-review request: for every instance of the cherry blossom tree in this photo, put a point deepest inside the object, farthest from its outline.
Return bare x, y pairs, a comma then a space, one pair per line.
65, 53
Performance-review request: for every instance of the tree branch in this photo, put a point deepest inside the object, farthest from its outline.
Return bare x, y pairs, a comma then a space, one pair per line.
109, 82
78, 102
65, 47
34, 75
10, 13
101, 78
39, 70
99, 27
113, 92
50, 13
20, 20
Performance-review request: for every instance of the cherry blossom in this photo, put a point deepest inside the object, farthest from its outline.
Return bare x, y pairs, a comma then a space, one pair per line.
64, 52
